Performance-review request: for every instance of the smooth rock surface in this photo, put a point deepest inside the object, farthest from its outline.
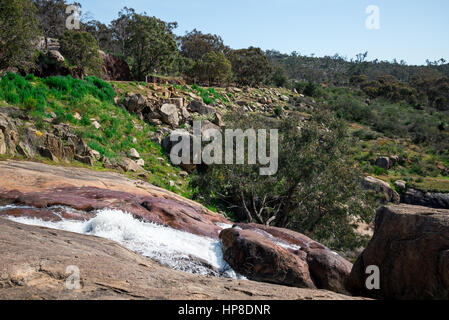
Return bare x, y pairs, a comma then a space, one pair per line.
35, 260
409, 246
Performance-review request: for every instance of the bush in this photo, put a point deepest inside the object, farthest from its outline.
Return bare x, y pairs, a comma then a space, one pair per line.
312, 90
81, 50
314, 191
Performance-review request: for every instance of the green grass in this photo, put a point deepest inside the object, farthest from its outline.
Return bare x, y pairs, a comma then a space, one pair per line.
93, 99
429, 184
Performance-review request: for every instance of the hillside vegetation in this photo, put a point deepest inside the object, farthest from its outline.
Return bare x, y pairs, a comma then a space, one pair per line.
80, 103
95, 111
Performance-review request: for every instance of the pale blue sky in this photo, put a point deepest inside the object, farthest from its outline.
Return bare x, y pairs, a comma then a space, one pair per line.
413, 30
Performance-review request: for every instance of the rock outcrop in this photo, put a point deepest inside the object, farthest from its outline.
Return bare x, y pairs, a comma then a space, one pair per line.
114, 68
262, 253
49, 144
410, 248
426, 199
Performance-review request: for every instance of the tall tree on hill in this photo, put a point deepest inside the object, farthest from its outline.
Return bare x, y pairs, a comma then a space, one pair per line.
214, 67
81, 50
250, 66
18, 29
195, 44
121, 30
101, 33
151, 46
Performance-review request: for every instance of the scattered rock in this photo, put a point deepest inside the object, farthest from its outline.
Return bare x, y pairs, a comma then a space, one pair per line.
384, 191
201, 108
96, 124
218, 120
178, 102
85, 159
206, 126
129, 165
169, 114
135, 102
134, 154
183, 174
401, 185
95, 154
185, 114
53, 144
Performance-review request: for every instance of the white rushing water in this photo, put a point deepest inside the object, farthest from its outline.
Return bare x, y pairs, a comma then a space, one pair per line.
177, 249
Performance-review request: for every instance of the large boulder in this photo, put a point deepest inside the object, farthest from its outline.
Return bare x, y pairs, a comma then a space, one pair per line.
175, 137
383, 162
410, 248
329, 270
384, 192
201, 108
258, 258
169, 114
283, 256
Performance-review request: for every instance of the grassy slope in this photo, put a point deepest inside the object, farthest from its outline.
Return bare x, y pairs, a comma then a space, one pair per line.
93, 100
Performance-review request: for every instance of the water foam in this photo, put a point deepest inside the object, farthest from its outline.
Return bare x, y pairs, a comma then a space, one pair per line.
177, 249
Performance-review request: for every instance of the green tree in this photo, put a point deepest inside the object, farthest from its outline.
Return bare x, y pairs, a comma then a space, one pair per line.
213, 67
279, 77
18, 30
151, 46
250, 66
316, 189
195, 44
121, 30
81, 51
101, 33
